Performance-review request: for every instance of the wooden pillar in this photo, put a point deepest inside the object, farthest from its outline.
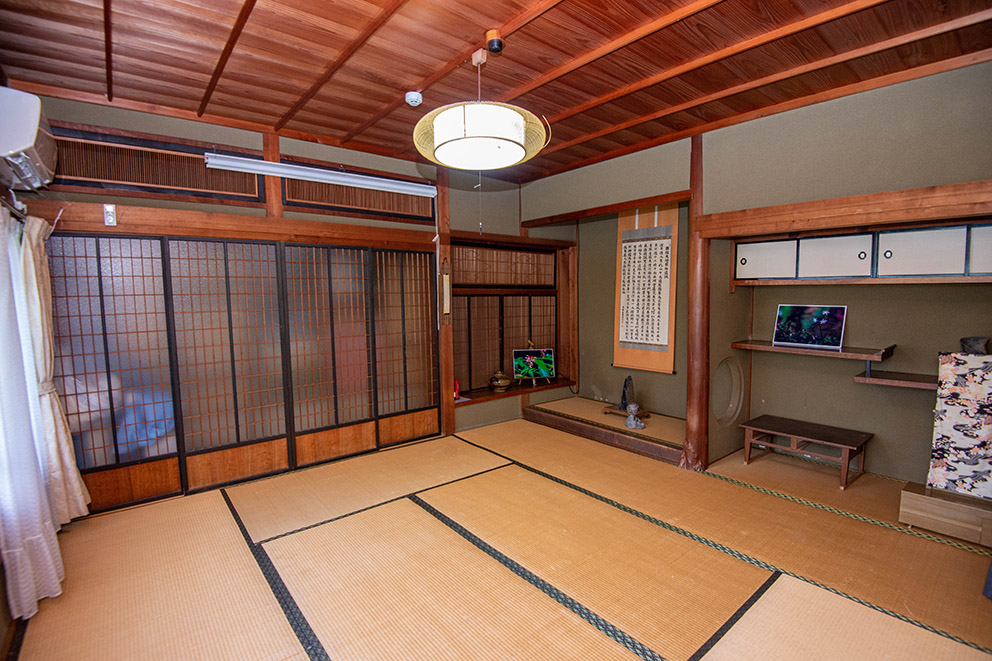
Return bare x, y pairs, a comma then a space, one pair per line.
696, 448
273, 185
445, 337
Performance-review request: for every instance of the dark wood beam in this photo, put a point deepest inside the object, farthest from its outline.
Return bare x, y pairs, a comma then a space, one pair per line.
676, 196
517, 22
931, 203
384, 15
609, 47
854, 88
225, 55
721, 54
273, 185
445, 336
695, 451
108, 49
895, 42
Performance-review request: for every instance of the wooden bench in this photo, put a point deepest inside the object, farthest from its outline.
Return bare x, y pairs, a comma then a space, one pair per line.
760, 430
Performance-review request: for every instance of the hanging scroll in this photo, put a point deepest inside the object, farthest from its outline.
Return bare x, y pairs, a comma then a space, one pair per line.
644, 320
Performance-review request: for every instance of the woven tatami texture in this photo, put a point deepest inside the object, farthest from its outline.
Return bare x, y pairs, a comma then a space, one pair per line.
169, 580
292, 501
395, 583
666, 591
896, 571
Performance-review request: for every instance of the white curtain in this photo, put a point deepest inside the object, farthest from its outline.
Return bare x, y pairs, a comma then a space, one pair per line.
66, 490
31, 561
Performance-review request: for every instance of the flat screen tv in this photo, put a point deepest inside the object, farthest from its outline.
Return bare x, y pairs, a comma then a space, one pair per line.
810, 326
533, 363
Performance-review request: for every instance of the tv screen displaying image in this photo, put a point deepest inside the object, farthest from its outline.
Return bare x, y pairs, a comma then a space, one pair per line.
810, 326
533, 363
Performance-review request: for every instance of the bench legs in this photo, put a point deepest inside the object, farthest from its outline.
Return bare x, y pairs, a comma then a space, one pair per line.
845, 460
796, 447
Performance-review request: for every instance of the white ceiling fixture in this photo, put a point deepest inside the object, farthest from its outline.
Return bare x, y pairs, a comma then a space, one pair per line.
320, 175
480, 135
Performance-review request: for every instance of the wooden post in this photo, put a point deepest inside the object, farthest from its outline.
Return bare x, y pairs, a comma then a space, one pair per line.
696, 448
273, 185
445, 336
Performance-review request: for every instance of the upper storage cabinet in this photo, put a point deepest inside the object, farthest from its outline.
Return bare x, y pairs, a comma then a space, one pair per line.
835, 257
767, 259
923, 252
980, 250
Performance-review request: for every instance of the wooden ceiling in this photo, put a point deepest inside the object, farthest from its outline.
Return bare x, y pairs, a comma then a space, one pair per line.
610, 76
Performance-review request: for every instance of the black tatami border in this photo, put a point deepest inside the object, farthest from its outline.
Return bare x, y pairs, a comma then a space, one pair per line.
727, 550
605, 627
301, 627
732, 620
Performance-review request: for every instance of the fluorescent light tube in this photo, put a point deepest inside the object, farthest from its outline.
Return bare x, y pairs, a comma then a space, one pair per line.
291, 171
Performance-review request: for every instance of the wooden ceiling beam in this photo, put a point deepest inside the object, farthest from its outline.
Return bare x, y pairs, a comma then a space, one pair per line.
167, 111
895, 42
108, 49
948, 64
384, 15
735, 49
514, 24
676, 196
225, 55
609, 47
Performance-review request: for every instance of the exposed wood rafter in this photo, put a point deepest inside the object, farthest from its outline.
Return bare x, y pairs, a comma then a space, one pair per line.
225, 55
108, 48
384, 15
722, 54
840, 58
517, 22
854, 88
609, 47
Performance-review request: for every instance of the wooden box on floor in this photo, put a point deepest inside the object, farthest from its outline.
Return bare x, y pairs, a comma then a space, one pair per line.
964, 517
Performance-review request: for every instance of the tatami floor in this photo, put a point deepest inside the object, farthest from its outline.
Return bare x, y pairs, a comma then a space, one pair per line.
517, 541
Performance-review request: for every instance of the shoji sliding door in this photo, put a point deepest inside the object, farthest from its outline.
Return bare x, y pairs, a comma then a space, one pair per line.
187, 363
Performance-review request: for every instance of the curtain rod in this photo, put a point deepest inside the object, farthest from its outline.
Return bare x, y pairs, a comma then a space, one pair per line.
14, 211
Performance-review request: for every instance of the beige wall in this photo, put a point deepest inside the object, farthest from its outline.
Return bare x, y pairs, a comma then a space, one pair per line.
645, 173
925, 132
921, 320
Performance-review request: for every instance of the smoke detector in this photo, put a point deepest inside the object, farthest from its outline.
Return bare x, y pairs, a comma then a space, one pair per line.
414, 99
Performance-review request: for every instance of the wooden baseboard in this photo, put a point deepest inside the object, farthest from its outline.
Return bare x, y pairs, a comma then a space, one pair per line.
948, 513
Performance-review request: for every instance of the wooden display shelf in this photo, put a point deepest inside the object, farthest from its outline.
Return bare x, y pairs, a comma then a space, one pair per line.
899, 379
487, 394
848, 353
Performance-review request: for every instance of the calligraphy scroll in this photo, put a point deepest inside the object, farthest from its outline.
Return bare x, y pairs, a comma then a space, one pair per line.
644, 321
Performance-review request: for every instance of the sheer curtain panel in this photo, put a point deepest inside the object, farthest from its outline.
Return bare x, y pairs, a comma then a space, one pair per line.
31, 561
65, 485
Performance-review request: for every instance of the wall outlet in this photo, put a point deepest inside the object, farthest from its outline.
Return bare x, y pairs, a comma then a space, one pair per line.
110, 214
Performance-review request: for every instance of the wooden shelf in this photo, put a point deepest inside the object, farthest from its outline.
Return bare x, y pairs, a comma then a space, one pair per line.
899, 379
487, 394
887, 280
848, 353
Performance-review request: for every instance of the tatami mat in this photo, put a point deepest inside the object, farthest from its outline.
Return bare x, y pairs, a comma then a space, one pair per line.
667, 591
169, 580
889, 568
870, 495
393, 582
657, 427
295, 500
778, 626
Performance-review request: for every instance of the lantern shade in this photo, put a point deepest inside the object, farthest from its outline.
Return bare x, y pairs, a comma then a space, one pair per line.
479, 135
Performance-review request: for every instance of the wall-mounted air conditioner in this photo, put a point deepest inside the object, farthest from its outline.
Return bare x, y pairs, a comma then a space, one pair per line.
27, 148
